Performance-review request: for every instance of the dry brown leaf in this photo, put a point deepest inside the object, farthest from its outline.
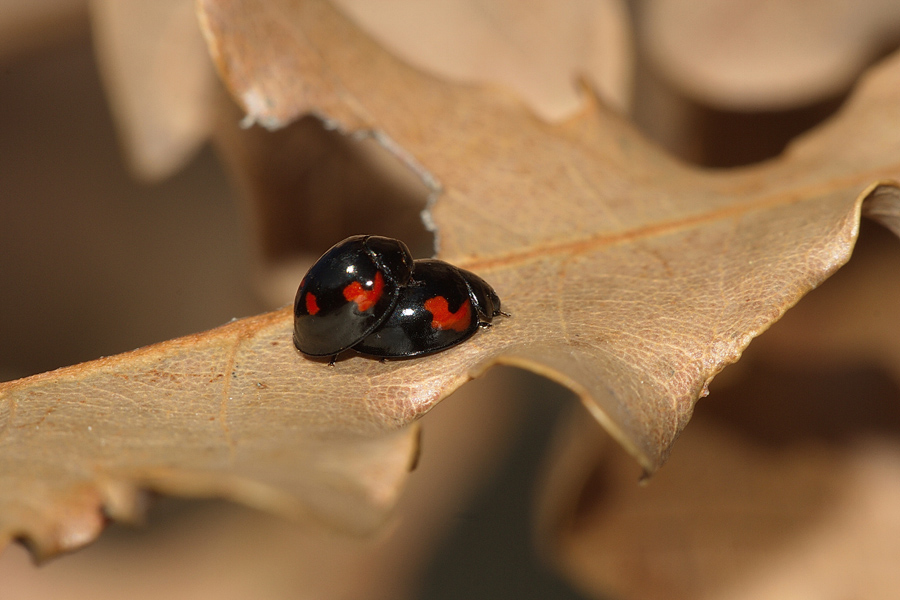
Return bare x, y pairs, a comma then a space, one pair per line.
749, 55
786, 479
211, 550
631, 278
160, 83
228, 412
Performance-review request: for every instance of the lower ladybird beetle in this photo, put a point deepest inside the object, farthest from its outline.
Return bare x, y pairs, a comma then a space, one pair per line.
349, 292
441, 306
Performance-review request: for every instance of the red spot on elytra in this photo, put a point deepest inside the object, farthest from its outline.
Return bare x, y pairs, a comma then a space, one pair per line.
442, 318
365, 299
311, 306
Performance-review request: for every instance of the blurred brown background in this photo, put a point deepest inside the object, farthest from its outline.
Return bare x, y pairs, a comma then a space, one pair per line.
789, 475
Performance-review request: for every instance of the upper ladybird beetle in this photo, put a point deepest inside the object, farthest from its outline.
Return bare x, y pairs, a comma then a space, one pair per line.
441, 306
351, 290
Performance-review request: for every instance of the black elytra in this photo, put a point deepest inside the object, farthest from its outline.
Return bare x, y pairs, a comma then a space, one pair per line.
349, 292
441, 306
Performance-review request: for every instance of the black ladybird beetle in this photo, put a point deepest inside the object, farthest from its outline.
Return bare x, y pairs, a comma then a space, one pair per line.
440, 307
349, 292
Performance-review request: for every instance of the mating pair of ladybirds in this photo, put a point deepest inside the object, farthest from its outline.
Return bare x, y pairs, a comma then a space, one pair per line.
367, 293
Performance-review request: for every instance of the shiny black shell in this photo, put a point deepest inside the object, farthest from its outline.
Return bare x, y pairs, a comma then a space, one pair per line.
349, 292
439, 307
